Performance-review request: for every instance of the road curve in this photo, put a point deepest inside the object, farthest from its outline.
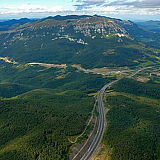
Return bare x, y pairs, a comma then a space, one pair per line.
101, 126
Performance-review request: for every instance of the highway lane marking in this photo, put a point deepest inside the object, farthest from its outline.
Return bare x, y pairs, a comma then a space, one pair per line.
103, 89
85, 142
94, 145
101, 127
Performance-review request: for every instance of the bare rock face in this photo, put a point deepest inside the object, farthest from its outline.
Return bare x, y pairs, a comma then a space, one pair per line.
75, 29
91, 41
88, 26
94, 25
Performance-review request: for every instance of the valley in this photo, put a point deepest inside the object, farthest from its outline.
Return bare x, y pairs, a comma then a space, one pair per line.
59, 75
86, 152
135, 115
102, 71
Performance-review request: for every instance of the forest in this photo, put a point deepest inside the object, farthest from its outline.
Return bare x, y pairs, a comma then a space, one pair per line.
42, 107
133, 131
48, 44
138, 88
38, 123
39, 108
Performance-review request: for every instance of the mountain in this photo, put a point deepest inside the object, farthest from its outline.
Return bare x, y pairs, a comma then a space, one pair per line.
12, 24
50, 74
91, 41
39, 107
148, 37
150, 25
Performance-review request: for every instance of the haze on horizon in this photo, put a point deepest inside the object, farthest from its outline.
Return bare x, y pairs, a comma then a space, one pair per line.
124, 9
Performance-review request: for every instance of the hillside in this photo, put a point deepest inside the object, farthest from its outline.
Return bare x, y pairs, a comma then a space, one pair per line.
150, 25
91, 41
13, 23
144, 34
51, 70
39, 109
44, 121
133, 120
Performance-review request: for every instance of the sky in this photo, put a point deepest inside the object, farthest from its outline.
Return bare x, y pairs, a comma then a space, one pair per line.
123, 9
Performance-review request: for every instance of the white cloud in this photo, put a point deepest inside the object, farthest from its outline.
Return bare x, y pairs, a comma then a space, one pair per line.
82, 4
119, 8
136, 7
137, 3
29, 8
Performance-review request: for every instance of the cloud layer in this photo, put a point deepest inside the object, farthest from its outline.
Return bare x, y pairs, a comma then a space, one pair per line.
115, 8
83, 4
138, 3
121, 7
28, 8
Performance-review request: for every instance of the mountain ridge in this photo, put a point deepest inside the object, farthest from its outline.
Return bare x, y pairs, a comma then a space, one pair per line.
91, 41
13, 23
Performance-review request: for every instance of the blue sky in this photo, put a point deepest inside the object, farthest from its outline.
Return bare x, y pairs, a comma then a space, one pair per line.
47, 3
125, 9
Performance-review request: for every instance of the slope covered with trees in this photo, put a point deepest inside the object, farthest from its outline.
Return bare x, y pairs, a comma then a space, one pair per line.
133, 121
40, 105
37, 124
39, 108
91, 41
150, 37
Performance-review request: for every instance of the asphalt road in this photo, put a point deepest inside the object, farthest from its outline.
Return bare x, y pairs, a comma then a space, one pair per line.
138, 71
101, 126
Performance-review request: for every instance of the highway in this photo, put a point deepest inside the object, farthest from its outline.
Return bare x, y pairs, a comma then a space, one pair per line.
89, 148
138, 72
101, 126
